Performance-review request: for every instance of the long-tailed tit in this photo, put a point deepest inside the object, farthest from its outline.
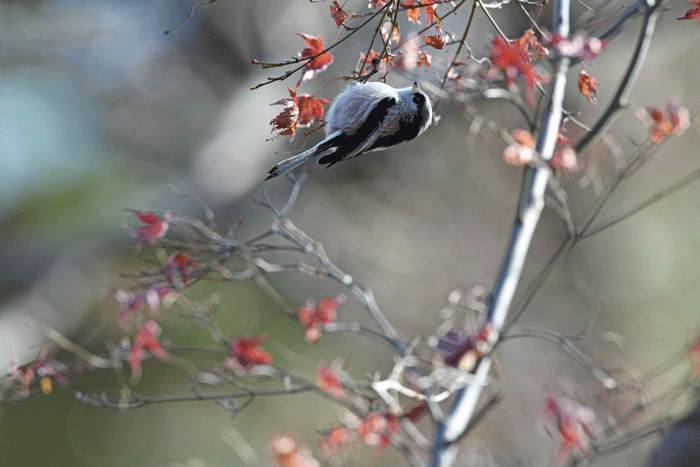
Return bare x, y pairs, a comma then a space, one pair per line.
366, 117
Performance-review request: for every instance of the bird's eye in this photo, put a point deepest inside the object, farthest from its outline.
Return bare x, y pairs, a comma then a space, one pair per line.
416, 99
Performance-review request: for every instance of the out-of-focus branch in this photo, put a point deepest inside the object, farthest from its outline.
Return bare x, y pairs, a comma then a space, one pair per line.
291, 233
285, 228
567, 345
651, 8
658, 196
620, 99
305, 60
532, 201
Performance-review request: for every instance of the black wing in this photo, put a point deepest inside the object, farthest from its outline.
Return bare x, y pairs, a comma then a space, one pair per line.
365, 136
409, 128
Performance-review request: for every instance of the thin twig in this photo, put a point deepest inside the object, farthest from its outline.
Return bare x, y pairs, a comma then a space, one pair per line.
305, 60
658, 196
620, 99
462, 43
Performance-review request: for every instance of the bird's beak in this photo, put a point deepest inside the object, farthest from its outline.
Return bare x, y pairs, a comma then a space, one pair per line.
416, 88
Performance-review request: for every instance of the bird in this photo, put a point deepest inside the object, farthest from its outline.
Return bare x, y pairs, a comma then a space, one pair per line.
366, 117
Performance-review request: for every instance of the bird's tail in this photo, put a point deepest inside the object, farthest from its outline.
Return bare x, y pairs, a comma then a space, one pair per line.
326, 146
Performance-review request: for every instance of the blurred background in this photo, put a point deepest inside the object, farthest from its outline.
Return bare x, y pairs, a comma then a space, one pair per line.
101, 111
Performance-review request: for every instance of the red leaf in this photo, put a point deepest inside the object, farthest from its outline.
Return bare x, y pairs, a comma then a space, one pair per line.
376, 429
429, 6
285, 124
328, 381
416, 412
385, 61
413, 14
181, 263
131, 305
529, 40
154, 226
564, 158
407, 58
46, 370
145, 339
574, 422
693, 12
512, 60
333, 442
287, 452
424, 58
671, 122
247, 352
437, 41
313, 318
338, 14
303, 110
522, 150
310, 109
315, 65
390, 34
586, 84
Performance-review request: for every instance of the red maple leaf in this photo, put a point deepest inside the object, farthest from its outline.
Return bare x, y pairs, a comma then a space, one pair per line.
586, 84
529, 41
181, 263
453, 74
575, 423
286, 451
338, 14
317, 64
522, 150
146, 338
385, 61
310, 109
416, 412
512, 60
424, 59
564, 157
285, 124
328, 381
132, 304
673, 121
246, 351
47, 371
407, 57
693, 12
313, 318
429, 6
333, 442
390, 34
376, 429
413, 14
437, 41
302, 111
154, 226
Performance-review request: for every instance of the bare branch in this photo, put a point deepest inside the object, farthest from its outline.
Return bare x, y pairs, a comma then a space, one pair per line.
530, 208
655, 198
619, 101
